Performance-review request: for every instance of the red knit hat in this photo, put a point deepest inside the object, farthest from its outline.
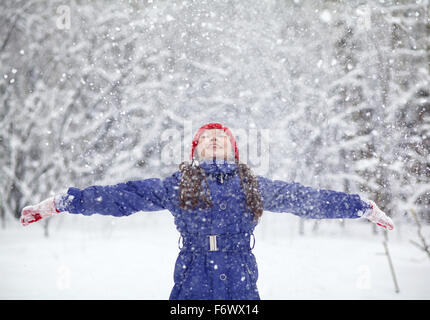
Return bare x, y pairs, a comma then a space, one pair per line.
214, 126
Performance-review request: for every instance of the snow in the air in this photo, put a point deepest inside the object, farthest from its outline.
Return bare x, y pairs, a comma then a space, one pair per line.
330, 94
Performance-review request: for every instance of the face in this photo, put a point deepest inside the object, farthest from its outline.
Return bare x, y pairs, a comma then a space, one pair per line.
214, 144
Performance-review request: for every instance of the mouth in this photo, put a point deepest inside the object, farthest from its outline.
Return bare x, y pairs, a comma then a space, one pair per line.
215, 145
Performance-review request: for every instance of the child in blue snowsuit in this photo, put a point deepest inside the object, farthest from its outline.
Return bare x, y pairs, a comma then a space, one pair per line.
216, 203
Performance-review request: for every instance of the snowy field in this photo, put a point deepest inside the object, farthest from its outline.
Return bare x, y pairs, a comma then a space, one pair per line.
102, 257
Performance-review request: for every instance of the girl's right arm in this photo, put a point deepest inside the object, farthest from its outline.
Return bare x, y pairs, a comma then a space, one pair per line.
118, 200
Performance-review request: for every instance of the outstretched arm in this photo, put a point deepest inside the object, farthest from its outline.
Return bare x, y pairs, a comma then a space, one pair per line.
312, 203
118, 200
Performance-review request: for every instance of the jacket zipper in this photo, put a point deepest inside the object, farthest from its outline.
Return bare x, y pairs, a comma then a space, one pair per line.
249, 271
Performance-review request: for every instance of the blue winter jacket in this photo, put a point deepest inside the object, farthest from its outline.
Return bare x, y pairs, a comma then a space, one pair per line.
216, 259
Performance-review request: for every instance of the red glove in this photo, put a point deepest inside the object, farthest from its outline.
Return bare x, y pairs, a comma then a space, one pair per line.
377, 216
39, 211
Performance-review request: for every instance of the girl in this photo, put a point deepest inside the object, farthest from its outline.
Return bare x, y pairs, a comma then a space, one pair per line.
216, 202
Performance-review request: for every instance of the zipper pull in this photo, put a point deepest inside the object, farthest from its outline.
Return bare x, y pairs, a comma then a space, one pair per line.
221, 178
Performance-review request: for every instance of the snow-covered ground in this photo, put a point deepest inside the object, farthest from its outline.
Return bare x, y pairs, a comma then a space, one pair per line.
100, 257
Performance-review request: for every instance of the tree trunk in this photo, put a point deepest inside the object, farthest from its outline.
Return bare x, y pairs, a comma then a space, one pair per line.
390, 262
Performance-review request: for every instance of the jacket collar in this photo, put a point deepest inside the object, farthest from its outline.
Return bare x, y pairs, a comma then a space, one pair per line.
218, 166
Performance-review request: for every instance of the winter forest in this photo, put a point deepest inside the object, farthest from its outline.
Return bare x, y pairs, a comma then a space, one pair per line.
333, 94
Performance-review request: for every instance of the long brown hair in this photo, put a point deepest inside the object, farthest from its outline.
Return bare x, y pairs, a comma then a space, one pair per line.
192, 193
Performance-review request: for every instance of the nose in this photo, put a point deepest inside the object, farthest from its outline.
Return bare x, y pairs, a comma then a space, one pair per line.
212, 139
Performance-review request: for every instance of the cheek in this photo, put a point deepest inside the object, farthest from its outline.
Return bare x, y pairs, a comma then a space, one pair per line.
227, 145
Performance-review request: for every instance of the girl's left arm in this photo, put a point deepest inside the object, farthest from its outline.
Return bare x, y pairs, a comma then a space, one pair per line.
308, 202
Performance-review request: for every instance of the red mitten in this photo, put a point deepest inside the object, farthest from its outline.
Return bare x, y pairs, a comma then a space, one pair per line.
377, 216
39, 211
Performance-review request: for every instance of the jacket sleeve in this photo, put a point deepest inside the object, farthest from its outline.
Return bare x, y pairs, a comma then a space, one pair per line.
307, 202
118, 200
